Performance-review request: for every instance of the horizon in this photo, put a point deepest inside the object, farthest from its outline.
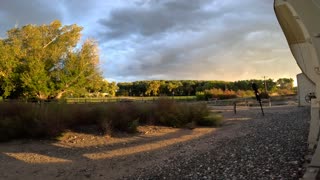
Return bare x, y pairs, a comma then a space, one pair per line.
295, 84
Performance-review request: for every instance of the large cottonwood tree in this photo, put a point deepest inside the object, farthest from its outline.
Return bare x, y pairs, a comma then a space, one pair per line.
46, 61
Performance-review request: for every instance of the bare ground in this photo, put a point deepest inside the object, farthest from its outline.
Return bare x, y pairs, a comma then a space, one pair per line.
88, 155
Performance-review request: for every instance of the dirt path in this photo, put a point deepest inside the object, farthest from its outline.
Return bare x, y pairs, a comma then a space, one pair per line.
92, 156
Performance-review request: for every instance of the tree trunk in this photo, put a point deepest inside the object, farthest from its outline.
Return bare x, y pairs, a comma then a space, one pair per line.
42, 96
59, 95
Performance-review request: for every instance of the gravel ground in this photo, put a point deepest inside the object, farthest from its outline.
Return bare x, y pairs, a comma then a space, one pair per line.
269, 147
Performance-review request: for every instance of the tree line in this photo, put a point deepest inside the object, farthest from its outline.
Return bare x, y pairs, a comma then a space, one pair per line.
191, 87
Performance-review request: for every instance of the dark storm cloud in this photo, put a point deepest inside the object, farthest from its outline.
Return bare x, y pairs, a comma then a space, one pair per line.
156, 17
22, 12
17, 12
195, 40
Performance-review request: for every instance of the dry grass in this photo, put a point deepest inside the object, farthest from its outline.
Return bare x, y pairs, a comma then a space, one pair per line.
27, 120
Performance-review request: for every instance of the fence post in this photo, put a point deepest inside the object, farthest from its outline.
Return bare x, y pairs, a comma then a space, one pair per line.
269, 102
235, 107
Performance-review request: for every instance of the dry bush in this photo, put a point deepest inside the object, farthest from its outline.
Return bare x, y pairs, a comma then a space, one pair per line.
284, 92
216, 93
30, 120
174, 114
117, 117
25, 120
244, 93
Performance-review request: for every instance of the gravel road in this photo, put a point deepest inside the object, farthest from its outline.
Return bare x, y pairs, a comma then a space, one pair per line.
269, 147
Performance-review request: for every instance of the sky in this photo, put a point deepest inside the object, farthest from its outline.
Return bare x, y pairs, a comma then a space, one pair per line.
170, 39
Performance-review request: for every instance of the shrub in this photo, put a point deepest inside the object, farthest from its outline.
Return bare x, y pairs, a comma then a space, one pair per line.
211, 120
27, 120
122, 116
17, 120
146, 113
216, 93
284, 92
228, 94
200, 96
116, 117
133, 126
174, 114
41, 120
264, 95
220, 94
242, 93
167, 113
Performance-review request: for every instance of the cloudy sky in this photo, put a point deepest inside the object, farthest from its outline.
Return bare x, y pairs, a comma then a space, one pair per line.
170, 39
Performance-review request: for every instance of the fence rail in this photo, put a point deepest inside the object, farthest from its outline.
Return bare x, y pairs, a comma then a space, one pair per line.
239, 102
253, 102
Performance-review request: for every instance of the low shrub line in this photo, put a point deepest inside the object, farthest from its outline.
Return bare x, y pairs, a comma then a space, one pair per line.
30, 120
223, 94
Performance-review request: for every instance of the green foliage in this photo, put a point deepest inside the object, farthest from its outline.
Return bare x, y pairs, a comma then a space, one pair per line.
201, 96
188, 87
285, 83
153, 88
111, 89
43, 61
101, 88
192, 87
122, 92
211, 120
172, 86
125, 88
271, 86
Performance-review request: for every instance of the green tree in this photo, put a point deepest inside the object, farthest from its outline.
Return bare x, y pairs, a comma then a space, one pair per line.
285, 83
173, 85
125, 88
8, 70
242, 85
139, 88
188, 87
271, 85
153, 88
112, 88
43, 61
